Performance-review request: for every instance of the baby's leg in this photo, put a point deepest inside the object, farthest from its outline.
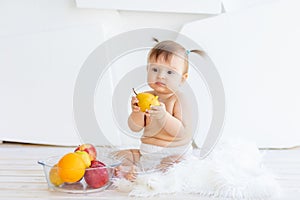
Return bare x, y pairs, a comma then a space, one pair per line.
172, 157
169, 161
129, 156
129, 159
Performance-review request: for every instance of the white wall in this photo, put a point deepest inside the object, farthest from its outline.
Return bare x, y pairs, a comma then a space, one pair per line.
44, 43
256, 52
42, 47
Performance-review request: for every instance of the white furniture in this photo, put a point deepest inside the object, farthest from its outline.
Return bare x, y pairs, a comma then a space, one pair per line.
43, 45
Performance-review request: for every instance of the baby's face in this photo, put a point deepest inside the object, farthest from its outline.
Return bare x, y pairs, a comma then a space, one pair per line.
164, 77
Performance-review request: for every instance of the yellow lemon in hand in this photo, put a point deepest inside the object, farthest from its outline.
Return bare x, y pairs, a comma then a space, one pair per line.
71, 168
146, 100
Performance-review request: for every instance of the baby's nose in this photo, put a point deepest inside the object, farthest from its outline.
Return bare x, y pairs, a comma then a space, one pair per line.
162, 74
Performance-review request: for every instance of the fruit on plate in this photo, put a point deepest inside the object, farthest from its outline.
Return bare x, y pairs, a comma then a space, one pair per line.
97, 175
85, 157
89, 148
54, 177
146, 100
71, 168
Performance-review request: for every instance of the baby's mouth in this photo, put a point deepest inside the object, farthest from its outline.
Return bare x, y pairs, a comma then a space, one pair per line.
160, 84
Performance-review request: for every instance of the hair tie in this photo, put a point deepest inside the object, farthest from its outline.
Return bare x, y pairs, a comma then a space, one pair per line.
187, 52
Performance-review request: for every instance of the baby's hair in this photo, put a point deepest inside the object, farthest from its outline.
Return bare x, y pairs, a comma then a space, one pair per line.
167, 49
155, 40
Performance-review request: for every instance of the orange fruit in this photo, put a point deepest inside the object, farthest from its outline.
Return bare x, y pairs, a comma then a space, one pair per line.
54, 177
71, 168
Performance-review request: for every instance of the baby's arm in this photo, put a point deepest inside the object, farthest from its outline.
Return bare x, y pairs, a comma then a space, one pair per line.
173, 125
179, 123
136, 118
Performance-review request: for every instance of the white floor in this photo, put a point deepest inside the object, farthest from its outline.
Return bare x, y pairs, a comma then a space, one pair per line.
22, 178
285, 164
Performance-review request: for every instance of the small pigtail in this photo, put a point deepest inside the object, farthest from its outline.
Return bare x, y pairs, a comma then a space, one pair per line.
155, 40
199, 52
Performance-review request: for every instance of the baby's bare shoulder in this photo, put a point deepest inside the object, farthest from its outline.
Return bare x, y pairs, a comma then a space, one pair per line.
180, 95
182, 99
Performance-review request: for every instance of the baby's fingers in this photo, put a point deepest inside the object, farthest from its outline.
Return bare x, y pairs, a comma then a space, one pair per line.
134, 100
156, 108
135, 108
153, 113
147, 113
153, 108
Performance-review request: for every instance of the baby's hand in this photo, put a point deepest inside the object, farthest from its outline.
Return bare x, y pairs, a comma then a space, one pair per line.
134, 104
157, 112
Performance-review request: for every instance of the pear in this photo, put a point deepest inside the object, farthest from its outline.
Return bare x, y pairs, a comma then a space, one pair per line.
146, 100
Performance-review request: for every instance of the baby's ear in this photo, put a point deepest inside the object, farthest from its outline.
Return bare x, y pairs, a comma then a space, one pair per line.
184, 77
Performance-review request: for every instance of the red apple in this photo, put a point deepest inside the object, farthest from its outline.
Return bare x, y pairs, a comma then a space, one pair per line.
97, 175
89, 148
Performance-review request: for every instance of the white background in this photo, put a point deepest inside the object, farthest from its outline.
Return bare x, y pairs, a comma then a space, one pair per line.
44, 43
256, 53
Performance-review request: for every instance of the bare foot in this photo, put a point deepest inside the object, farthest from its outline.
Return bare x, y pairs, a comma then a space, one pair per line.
118, 172
131, 174
168, 162
127, 172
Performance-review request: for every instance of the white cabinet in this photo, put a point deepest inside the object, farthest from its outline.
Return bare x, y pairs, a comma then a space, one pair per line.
176, 6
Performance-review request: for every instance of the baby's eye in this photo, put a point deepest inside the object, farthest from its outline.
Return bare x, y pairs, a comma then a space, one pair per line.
170, 72
154, 69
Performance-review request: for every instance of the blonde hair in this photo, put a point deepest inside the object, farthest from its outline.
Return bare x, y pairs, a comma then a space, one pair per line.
165, 50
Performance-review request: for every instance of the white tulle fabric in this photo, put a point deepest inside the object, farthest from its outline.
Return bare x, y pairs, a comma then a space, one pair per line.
232, 170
